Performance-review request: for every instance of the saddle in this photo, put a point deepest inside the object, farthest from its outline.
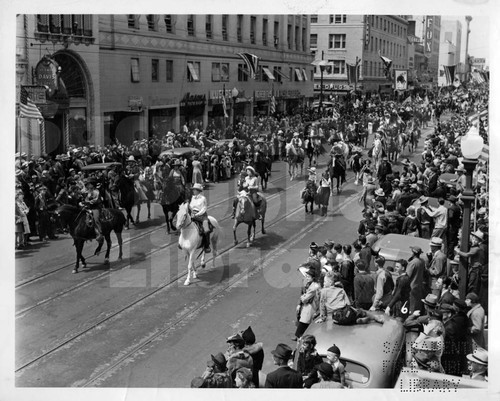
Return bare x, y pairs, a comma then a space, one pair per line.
199, 226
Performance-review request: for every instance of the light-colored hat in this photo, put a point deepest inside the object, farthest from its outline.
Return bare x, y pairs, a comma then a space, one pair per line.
251, 169
198, 187
478, 234
296, 134
436, 241
131, 158
479, 355
312, 170
379, 192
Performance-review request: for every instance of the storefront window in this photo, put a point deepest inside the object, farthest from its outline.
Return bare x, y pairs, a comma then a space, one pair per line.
161, 121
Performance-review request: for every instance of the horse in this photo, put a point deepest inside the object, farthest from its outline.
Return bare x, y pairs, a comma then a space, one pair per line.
171, 199
246, 212
127, 197
190, 239
262, 165
313, 149
377, 152
394, 146
76, 219
308, 194
337, 168
295, 158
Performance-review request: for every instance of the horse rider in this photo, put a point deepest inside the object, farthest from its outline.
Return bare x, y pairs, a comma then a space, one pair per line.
199, 207
296, 141
93, 202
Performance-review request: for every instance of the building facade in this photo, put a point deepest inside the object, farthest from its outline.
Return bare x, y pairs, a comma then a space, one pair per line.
128, 77
340, 40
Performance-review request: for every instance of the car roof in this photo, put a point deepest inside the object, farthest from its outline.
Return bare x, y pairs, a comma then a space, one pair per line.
397, 246
101, 166
365, 344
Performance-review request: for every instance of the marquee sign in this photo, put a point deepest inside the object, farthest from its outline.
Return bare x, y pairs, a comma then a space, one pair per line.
47, 73
429, 34
367, 32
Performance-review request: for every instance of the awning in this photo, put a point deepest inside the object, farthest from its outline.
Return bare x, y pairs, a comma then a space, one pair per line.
269, 73
298, 74
281, 74
304, 74
193, 72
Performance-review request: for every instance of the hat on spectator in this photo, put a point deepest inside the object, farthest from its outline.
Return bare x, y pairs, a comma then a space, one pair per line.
245, 373
219, 360
334, 349
479, 355
460, 169
416, 250
314, 246
329, 243
379, 206
251, 169
131, 158
326, 369
379, 192
282, 351
414, 186
455, 260
296, 134
380, 261
481, 211
473, 297
436, 241
478, 234
248, 335
237, 339
197, 187
446, 308
423, 199
431, 300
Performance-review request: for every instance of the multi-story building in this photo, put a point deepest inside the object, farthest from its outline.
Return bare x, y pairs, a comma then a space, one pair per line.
428, 28
346, 39
450, 48
131, 76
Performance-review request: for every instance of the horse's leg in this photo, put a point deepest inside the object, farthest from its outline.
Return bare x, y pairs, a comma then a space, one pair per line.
262, 224
236, 224
108, 247
120, 243
78, 247
138, 212
190, 268
250, 236
149, 209
99, 247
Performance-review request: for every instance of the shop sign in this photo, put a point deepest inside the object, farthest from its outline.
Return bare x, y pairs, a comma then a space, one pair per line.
46, 74
339, 87
161, 101
289, 93
38, 94
478, 60
135, 102
192, 100
262, 94
367, 32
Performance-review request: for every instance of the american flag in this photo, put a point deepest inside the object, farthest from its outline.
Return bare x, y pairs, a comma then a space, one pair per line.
27, 108
272, 107
251, 61
224, 105
449, 71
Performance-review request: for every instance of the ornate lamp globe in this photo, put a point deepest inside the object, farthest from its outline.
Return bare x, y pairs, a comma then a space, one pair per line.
472, 144
234, 92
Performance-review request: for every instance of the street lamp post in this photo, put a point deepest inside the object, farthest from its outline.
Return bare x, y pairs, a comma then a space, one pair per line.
471, 145
468, 18
234, 95
321, 67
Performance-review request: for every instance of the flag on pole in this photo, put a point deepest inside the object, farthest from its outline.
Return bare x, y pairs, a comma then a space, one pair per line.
272, 106
477, 77
352, 73
27, 108
251, 61
449, 72
224, 105
387, 65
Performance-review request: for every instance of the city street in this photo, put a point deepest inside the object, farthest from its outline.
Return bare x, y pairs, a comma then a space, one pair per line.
136, 324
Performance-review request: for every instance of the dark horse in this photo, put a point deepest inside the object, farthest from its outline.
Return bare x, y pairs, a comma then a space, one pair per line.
172, 197
262, 165
128, 197
308, 194
246, 212
77, 220
336, 169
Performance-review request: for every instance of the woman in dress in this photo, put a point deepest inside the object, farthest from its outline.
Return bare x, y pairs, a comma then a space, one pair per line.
197, 171
323, 197
22, 224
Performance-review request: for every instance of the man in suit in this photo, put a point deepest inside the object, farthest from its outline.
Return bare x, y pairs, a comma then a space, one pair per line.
284, 376
415, 271
437, 265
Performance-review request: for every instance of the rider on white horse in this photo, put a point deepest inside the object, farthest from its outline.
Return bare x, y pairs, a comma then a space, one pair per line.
251, 184
199, 206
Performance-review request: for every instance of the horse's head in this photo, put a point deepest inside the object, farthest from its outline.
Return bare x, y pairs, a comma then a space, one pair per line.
244, 209
183, 215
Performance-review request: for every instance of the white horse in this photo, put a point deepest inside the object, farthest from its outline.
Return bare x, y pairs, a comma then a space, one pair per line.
190, 239
377, 152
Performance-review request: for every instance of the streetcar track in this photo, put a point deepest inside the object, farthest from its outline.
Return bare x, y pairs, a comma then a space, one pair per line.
85, 283
165, 286
25, 282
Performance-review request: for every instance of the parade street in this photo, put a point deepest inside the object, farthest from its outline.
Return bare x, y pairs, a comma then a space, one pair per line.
136, 324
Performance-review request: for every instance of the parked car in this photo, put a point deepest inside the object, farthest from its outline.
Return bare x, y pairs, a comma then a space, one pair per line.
371, 353
394, 247
180, 152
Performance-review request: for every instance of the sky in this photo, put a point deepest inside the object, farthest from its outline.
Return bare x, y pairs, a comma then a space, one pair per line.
479, 38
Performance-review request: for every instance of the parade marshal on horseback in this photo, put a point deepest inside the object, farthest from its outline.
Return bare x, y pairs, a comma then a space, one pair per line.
93, 202
199, 207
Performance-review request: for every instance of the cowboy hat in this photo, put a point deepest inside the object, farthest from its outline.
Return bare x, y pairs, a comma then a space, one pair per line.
131, 158
379, 192
312, 170
479, 355
197, 187
219, 360
251, 169
423, 199
416, 249
478, 234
